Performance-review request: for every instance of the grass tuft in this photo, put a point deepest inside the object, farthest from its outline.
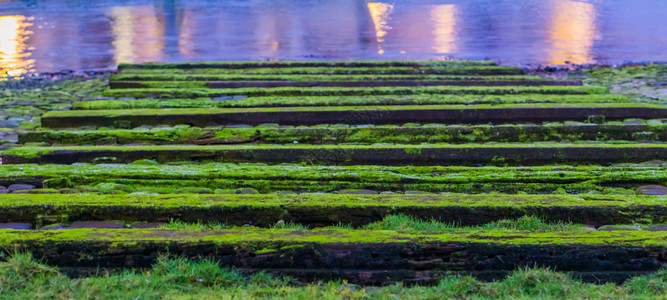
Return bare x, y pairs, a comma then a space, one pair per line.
404, 223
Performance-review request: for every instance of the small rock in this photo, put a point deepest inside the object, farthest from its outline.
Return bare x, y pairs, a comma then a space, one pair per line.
22, 103
652, 190
193, 190
96, 224
280, 223
239, 126
15, 225
223, 98
661, 227
359, 192
19, 187
3, 190
9, 124
619, 227
633, 122
246, 191
140, 225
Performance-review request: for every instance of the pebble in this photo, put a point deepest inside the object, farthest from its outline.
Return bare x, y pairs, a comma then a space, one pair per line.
246, 191
22, 102
20, 187
15, 225
652, 190
9, 124
359, 192
223, 98
661, 227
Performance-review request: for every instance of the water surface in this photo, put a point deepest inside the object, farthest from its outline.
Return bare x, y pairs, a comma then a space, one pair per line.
48, 36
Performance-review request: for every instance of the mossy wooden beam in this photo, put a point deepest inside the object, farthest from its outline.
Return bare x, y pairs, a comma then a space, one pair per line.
116, 84
229, 178
201, 117
352, 91
169, 76
435, 154
340, 134
316, 210
366, 257
305, 64
431, 99
401, 70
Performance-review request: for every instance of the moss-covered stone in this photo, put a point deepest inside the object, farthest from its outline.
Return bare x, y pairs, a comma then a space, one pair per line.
433, 154
316, 210
457, 114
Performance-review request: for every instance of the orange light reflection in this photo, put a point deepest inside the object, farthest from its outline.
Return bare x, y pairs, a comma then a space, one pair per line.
14, 32
137, 34
380, 13
444, 19
573, 32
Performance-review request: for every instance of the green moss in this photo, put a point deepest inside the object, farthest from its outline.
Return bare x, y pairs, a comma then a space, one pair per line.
429, 99
336, 91
266, 179
295, 77
252, 236
374, 109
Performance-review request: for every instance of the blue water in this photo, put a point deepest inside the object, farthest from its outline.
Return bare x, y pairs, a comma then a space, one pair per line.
47, 36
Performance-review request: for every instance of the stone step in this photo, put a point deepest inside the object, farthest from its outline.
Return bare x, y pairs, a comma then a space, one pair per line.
433, 154
635, 130
238, 101
359, 256
317, 210
117, 84
198, 92
353, 115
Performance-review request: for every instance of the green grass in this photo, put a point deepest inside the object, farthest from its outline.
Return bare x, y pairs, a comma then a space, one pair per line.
199, 225
407, 224
22, 277
404, 223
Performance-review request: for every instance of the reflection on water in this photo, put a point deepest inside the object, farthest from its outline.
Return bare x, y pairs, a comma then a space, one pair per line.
14, 55
136, 34
572, 32
444, 20
51, 35
380, 14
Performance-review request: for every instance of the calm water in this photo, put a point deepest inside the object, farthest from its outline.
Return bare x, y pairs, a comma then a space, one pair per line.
46, 36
